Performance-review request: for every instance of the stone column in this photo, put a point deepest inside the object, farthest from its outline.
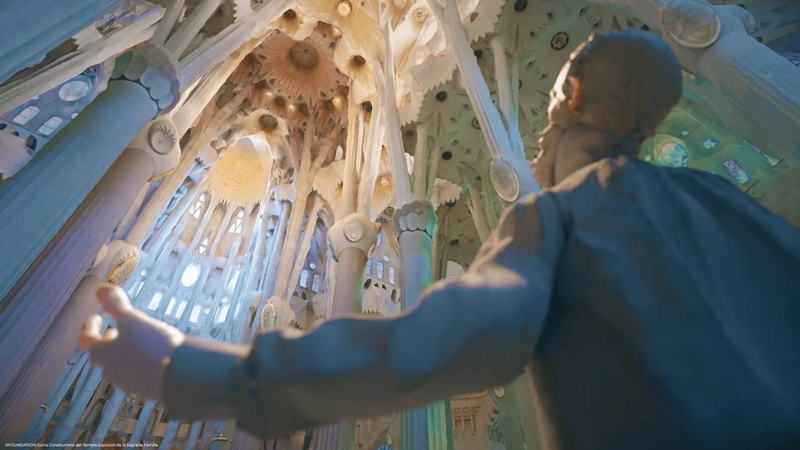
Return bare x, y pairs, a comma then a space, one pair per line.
28, 34
352, 241
141, 423
715, 43
38, 297
511, 173
415, 224
21, 401
505, 398
40, 198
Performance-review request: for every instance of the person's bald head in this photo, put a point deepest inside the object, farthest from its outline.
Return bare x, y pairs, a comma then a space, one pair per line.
612, 94
624, 82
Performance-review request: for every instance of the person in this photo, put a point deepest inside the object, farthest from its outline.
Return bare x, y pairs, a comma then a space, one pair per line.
657, 308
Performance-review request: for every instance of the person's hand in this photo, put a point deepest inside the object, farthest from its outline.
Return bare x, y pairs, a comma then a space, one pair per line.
134, 353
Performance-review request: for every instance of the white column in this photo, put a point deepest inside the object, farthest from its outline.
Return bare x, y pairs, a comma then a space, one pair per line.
763, 84
28, 30
49, 189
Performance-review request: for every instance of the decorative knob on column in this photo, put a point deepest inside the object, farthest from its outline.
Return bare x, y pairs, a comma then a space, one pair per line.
512, 178
353, 231
277, 313
154, 69
691, 24
115, 262
159, 140
418, 215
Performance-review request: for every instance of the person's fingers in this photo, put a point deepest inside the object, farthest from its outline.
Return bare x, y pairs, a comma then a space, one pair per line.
90, 332
114, 300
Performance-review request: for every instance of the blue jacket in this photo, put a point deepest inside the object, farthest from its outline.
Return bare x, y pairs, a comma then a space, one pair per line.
657, 308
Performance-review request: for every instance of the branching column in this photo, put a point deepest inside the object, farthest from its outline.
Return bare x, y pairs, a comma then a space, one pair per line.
510, 172
27, 34
764, 85
49, 189
33, 313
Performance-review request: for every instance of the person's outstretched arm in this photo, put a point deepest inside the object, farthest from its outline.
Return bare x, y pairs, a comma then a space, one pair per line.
467, 334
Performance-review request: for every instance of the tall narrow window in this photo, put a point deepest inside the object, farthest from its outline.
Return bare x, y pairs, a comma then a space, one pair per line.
369, 268
195, 315
238, 223
203, 247
234, 279
380, 270
198, 206
391, 275
304, 278
50, 126
316, 284
222, 313
26, 115
181, 309
154, 302
170, 307
380, 238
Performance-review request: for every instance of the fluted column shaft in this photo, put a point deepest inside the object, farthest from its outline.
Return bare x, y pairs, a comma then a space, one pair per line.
27, 34
141, 423
415, 256
20, 403
42, 196
39, 296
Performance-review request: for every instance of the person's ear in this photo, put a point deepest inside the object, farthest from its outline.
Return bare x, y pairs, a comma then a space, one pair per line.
576, 99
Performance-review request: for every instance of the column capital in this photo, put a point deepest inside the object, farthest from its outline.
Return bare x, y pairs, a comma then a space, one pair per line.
417, 215
353, 231
512, 178
115, 262
159, 139
154, 69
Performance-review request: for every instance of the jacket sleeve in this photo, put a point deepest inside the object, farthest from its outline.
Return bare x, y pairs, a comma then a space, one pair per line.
467, 334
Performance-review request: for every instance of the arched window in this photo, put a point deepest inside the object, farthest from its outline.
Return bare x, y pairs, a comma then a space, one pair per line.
190, 275
50, 126
154, 302
26, 115
238, 224
380, 238
384, 447
195, 315
380, 270
198, 206
304, 278
369, 267
391, 275
203, 247
315, 285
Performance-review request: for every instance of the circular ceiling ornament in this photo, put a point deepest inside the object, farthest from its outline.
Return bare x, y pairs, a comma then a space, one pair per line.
304, 55
74, 90
476, 123
344, 8
162, 137
505, 180
268, 121
559, 40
